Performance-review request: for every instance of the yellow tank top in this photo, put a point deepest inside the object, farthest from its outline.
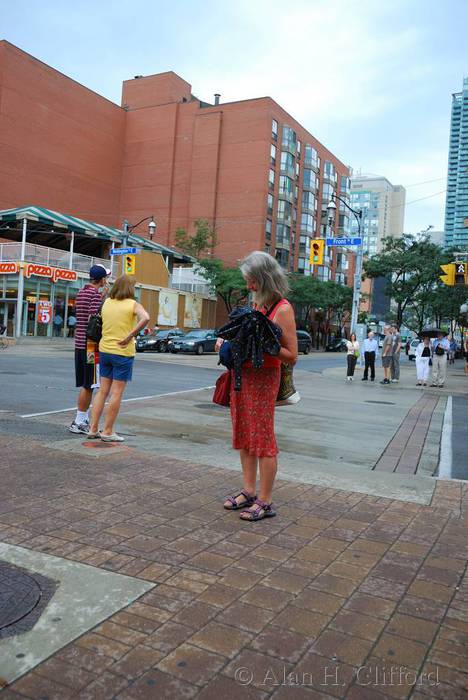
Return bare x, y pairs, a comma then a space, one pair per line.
118, 320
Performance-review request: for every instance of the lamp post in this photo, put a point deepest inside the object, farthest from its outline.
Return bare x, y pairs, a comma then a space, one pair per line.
128, 228
358, 271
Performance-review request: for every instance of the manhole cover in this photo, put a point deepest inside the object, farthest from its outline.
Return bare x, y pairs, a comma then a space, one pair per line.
388, 403
19, 594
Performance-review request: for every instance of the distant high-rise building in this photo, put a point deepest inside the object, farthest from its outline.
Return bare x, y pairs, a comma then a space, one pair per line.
383, 210
456, 205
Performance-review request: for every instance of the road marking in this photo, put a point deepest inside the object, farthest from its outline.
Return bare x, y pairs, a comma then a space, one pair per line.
445, 461
137, 398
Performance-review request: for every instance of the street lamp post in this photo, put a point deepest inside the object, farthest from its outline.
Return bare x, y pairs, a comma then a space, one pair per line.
358, 271
128, 228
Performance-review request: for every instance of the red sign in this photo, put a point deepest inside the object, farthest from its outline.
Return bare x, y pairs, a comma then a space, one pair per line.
44, 311
9, 268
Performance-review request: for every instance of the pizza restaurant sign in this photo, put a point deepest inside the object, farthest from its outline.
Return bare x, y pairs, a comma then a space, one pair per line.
33, 269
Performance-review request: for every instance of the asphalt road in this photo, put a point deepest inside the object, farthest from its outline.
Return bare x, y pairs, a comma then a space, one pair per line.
36, 384
460, 437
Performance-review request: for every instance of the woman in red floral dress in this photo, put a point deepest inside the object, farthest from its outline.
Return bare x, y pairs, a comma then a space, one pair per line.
253, 408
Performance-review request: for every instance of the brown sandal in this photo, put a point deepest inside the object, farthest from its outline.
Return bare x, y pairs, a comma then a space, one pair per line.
249, 500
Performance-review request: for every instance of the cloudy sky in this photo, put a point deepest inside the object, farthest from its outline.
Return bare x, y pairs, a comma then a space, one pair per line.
370, 79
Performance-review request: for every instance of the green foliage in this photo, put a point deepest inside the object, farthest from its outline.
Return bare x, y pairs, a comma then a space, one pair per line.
412, 268
200, 243
329, 300
226, 282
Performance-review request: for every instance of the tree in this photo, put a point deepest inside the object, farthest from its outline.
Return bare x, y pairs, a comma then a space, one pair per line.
304, 292
226, 282
328, 299
412, 267
200, 243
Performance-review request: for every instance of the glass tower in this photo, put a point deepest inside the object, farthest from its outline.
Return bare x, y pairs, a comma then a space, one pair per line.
456, 205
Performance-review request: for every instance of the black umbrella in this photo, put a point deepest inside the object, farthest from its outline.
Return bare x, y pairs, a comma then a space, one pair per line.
432, 332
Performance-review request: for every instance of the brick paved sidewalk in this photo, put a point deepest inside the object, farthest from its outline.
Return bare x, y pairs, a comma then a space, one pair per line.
338, 582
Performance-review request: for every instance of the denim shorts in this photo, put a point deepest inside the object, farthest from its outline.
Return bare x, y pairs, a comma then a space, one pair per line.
115, 366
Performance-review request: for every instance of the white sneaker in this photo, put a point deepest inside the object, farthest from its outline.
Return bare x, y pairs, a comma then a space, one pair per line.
395, 381
79, 428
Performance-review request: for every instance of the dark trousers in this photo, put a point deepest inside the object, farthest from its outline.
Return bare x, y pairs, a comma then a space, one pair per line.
352, 359
369, 361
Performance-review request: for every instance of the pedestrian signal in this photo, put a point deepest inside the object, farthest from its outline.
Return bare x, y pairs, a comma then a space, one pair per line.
461, 273
317, 250
449, 277
129, 264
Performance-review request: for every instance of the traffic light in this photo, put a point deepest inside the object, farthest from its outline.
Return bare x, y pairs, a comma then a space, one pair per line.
129, 265
317, 250
461, 273
449, 277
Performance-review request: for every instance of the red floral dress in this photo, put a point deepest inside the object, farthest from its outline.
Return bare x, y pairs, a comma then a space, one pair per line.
253, 407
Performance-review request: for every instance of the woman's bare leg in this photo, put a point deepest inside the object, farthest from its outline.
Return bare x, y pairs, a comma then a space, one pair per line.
98, 403
268, 469
249, 472
113, 408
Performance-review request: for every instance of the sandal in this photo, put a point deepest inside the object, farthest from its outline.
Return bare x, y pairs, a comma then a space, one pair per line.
258, 511
249, 500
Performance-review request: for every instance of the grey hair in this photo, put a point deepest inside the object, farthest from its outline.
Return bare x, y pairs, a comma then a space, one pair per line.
268, 274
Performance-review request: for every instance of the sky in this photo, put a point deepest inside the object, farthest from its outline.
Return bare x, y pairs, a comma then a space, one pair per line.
371, 80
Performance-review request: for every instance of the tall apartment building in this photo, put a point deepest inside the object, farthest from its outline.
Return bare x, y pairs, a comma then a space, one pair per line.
456, 205
247, 167
383, 210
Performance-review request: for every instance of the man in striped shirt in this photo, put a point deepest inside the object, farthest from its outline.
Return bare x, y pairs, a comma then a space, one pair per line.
88, 302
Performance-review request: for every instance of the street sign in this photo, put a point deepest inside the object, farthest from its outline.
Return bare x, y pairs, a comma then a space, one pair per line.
344, 241
124, 251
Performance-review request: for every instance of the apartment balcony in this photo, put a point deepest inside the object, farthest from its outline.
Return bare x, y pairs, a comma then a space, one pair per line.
43, 255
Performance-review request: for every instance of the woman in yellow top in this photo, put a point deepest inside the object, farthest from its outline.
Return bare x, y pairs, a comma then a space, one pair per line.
122, 320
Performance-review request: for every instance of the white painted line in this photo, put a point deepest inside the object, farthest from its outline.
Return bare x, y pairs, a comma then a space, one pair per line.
445, 461
137, 398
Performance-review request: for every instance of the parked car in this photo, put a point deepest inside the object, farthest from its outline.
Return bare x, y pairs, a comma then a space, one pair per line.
412, 349
198, 342
157, 342
337, 346
304, 342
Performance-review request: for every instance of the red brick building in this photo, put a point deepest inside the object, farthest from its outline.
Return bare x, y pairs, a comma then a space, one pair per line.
247, 167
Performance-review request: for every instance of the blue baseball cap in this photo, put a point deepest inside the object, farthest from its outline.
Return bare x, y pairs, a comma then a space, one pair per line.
98, 272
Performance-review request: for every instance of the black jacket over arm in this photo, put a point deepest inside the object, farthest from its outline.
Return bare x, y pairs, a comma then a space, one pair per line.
250, 334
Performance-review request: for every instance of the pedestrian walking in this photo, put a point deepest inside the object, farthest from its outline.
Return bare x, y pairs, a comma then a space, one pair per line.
58, 321
352, 354
370, 351
88, 302
396, 348
253, 407
71, 326
452, 351
423, 360
440, 350
465, 353
122, 320
387, 354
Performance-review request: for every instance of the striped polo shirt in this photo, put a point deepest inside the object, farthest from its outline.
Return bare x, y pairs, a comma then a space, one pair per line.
88, 302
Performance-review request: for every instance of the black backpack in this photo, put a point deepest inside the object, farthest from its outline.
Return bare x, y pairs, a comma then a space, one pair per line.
94, 327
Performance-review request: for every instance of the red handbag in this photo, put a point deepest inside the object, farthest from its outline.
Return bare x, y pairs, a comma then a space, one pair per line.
222, 390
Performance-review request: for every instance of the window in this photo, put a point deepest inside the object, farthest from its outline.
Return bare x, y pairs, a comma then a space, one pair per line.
286, 186
327, 192
270, 202
307, 223
287, 163
284, 210
308, 201
267, 248
329, 171
289, 139
298, 149
274, 129
272, 154
282, 257
310, 156
309, 179
344, 184
283, 235
268, 230
271, 179
298, 171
